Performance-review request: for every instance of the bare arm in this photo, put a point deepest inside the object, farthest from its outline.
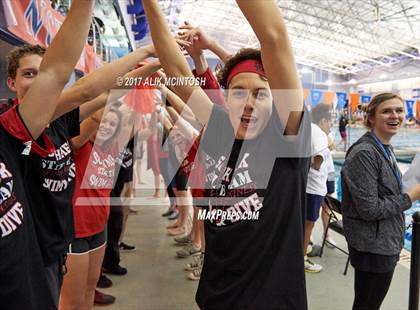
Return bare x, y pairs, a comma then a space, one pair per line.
178, 104
200, 41
56, 68
87, 128
99, 102
174, 62
102, 79
278, 59
92, 106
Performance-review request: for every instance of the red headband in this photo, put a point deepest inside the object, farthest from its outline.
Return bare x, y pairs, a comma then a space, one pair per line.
249, 65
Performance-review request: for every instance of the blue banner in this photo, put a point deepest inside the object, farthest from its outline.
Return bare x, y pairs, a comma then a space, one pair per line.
316, 96
341, 100
410, 105
365, 99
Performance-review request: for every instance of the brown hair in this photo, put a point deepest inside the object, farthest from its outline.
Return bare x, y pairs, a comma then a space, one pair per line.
242, 55
370, 109
19, 52
320, 112
106, 144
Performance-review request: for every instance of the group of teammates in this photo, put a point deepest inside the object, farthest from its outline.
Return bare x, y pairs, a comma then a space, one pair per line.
59, 151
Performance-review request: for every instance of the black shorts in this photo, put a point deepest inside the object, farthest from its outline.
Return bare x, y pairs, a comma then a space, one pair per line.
81, 246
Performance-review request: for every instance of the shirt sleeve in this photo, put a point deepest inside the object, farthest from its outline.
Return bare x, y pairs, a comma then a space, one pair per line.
211, 87
360, 175
14, 125
72, 123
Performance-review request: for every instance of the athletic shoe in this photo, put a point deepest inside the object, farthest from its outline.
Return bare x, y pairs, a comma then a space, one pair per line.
188, 251
104, 282
196, 263
124, 247
102, 299
314, 250
173, 216
185, 240
195, 275
117, 270
331, 243
168, 212
312, 267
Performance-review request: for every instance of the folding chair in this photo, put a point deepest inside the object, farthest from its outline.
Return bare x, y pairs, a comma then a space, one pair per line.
335, 224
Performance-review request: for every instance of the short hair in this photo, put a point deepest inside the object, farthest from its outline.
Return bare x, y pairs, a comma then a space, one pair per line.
370, 109
242, 55
19, 52
319, 112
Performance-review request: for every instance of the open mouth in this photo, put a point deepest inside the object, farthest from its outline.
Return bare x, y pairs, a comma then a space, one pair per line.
103, 132
393, 124
248, 121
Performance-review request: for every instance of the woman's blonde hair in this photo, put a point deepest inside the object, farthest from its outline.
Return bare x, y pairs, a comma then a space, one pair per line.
370, 109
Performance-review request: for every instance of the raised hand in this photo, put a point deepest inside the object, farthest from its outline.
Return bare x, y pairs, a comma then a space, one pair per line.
198, 38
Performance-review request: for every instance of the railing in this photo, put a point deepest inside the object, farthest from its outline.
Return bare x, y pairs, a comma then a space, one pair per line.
413, 300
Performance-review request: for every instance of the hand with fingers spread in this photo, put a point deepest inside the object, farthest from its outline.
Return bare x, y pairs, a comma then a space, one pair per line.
198, 38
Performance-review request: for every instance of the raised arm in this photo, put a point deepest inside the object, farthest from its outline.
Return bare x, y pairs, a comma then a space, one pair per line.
278, 59
102, 79
178, 104
201, 41
39, 103
99, 102
174, 63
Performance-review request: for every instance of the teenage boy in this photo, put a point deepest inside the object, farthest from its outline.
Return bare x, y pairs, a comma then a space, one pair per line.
250, 263
316, 187
50, 181
23, 282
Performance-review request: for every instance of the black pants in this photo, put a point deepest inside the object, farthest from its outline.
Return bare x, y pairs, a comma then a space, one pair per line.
54, 274
114, 229
370, 289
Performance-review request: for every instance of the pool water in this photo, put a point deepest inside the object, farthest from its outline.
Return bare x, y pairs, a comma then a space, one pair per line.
405, 138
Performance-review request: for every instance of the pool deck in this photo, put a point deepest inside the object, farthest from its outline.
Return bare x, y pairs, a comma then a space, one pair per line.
156, 279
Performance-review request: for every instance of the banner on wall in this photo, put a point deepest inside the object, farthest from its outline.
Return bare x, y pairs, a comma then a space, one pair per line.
365, 99
341, 100
354, 102
36, 22
410, 105
316, 96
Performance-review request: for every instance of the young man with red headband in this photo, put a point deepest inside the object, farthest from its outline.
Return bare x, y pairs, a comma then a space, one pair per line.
259, 165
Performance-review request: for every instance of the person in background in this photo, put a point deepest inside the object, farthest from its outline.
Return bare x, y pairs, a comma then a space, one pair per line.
316, 187
373, 202
342, 128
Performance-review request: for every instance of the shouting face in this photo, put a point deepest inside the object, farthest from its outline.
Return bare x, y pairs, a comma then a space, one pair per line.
250, 104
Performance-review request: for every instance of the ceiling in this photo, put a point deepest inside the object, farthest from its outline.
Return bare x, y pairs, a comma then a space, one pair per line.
339, 36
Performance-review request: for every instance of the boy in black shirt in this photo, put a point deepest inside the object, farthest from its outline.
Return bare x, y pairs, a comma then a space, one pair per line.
50, 181
22, 280
259, 167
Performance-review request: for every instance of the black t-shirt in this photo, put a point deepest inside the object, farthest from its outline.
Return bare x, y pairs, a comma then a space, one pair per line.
50, 185
124, 168
22, 278
255, 264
